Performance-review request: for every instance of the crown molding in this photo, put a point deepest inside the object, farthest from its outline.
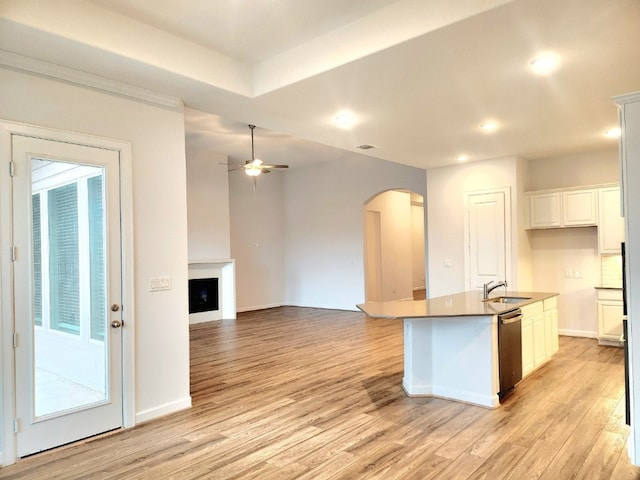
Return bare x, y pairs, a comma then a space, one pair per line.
627, 98
59, 72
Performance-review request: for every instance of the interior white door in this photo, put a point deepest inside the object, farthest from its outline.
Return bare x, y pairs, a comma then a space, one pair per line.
485, 238
67, 286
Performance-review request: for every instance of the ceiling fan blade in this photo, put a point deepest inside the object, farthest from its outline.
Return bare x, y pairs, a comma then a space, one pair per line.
275, 166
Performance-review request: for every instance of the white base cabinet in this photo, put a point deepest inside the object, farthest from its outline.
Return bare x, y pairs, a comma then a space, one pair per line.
539, 334
609, 303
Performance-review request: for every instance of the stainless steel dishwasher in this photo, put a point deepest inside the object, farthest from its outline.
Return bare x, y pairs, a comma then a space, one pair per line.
509, 350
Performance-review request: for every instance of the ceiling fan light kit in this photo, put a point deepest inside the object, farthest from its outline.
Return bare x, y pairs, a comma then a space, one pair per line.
255, 166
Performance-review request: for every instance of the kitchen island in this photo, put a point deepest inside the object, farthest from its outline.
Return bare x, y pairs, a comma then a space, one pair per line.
451, 342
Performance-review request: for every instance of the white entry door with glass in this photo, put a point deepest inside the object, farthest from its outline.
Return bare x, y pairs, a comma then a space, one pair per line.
67, 288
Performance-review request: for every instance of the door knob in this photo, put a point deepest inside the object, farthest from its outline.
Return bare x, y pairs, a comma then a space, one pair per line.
115, 307
116, 324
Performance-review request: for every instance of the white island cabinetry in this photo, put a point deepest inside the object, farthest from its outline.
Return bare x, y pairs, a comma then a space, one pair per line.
539, 333
451, 342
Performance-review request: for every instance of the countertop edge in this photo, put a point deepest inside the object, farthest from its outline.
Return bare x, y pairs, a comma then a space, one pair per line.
464, 304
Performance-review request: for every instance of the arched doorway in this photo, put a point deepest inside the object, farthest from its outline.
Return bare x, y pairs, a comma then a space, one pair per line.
394, 243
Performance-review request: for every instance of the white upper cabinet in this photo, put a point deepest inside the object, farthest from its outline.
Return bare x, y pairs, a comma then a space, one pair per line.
545, 210
610, 221
570, 208
579, 208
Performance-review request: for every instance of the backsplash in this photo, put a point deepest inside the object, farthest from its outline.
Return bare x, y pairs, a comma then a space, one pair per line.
611, 270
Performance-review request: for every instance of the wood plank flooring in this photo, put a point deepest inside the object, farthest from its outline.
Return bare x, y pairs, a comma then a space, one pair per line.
298, 393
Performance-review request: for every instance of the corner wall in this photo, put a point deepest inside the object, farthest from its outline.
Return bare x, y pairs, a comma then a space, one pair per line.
159, 214
208, 216
324, 226
555, 251
257, 239
445, 220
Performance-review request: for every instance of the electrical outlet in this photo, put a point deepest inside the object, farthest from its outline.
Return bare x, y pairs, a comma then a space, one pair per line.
157, 284
447, 263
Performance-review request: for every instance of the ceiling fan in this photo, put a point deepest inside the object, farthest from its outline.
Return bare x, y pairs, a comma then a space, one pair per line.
255, 166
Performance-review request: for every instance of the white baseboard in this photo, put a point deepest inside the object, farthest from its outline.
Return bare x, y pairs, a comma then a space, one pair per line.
578, 333
167, 408
259, 307
449, 394
276, 305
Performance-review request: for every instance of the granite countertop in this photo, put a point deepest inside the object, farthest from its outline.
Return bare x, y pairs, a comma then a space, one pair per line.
457, 305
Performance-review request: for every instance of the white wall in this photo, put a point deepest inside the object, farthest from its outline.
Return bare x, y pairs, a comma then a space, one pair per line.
324, 226
556, 251
445, 219
159, 213
257, 239
208, 202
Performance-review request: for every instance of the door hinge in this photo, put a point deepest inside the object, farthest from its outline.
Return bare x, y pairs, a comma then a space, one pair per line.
12, 168
14, 253
15, 340
16, 425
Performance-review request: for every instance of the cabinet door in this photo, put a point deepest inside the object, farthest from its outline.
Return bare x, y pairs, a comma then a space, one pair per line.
528, 359
579, 208
539, 348
610, 221
555, 344
548, 333
609, 320
545, 210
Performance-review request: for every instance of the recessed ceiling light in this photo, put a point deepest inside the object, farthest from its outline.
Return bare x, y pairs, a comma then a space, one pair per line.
489, 126
612, 132
344, 119
545, 63
462, 157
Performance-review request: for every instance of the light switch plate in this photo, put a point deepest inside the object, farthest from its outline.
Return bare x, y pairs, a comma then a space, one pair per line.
157, 284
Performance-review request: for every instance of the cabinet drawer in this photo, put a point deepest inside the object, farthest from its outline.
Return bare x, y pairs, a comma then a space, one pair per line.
550, 303
532, 309
612, 294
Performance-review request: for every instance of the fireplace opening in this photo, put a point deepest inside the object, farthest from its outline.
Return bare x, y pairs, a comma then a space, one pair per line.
203, 295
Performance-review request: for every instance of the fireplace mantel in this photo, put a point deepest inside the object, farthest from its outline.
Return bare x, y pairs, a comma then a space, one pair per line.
224, 269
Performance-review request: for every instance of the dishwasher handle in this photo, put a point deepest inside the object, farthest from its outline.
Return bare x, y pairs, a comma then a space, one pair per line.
510, 317
507, 321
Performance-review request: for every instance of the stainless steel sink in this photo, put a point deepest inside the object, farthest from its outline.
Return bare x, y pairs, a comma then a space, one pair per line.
507, 299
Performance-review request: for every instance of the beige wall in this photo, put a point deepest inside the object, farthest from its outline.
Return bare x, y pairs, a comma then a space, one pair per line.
396, 244
588, 168
446, 187
558, 251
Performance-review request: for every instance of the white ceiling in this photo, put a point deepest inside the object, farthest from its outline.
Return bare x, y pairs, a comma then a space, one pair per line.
420, 75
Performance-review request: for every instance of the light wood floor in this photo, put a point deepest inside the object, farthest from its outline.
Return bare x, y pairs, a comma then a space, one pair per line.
294, 393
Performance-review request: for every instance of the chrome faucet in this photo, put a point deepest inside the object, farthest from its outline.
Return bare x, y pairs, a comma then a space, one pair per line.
486, 289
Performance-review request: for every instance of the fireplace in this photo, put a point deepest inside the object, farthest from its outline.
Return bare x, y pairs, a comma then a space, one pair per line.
212, 290
203, 295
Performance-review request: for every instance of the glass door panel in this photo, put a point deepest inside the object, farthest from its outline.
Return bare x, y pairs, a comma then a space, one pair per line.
69, 285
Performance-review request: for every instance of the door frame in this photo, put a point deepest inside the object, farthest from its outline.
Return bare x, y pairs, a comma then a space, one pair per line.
508, 247
7, 359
